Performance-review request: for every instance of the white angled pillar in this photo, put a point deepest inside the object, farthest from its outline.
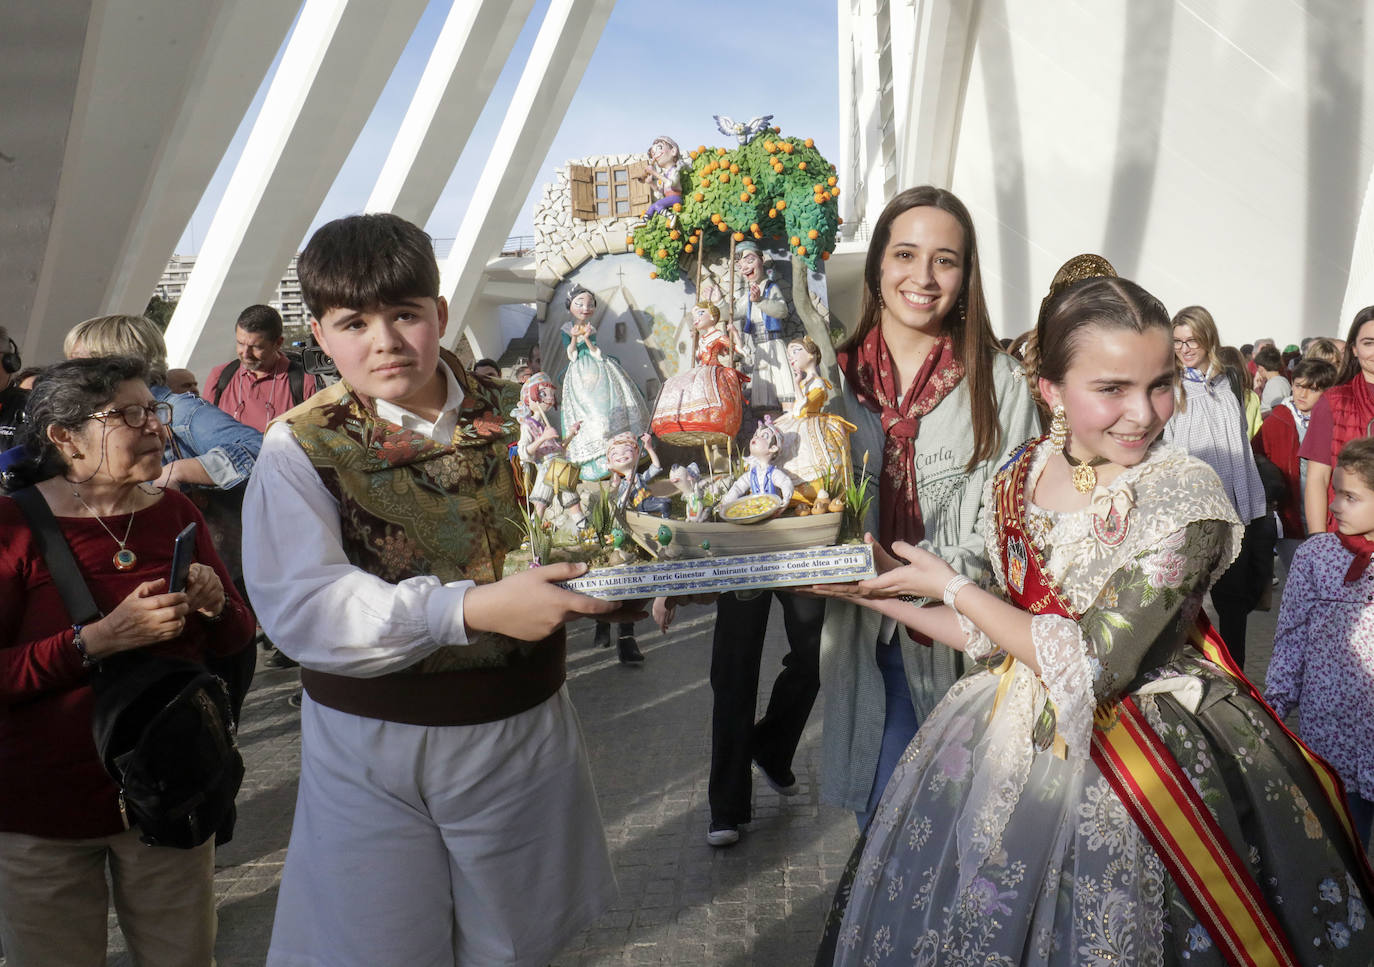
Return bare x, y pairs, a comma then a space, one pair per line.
567, 38
946, 33
162, 87
338, 59
473, 45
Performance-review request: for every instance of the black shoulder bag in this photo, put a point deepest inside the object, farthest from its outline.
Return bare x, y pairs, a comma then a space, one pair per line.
162, 726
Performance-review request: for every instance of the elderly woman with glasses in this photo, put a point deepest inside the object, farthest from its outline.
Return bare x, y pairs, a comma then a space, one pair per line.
94, 438
209, 454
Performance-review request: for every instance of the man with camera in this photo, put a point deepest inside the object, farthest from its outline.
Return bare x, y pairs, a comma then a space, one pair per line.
264, 382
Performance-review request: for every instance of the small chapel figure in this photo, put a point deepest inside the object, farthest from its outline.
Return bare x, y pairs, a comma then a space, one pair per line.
543, 449
762, 475
597, 393
760, 326
632, 486
664, 175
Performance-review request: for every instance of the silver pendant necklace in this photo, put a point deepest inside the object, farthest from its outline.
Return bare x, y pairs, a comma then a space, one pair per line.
124, 559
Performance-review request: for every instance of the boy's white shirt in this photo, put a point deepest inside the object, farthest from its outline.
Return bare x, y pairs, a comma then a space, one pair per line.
318, 608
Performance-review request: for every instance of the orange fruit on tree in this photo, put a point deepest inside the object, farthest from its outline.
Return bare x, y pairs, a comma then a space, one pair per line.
754, 227
839, 221
825, 256
723, 227
777, 130
812, 234
639, 252
677, 206
725, 176
675, 235
835, 193
769, 146
698, 197
818, 188
720, 151
781, 205
662, 253
693, 155
734, 169
687, 247
810, 143
801, 249
739, 236
744, 196
831, 181
801, 165
653, 275
715, 217
794, 240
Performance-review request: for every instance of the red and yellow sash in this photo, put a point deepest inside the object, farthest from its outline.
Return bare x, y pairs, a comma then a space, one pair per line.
1143, 772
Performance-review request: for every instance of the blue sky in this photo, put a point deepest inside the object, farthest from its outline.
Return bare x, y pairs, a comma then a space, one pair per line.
710, 57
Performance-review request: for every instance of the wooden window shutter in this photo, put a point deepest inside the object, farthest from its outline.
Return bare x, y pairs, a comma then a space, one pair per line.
639, 190
583, 194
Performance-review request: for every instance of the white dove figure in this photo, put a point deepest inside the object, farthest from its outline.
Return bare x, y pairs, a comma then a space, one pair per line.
742, 132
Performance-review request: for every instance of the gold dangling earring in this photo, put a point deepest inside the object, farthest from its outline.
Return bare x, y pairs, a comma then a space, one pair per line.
1059, 428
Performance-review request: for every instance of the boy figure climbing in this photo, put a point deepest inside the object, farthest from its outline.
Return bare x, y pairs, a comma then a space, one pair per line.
445, 812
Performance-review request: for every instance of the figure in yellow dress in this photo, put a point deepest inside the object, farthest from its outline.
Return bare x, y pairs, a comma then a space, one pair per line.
815, 444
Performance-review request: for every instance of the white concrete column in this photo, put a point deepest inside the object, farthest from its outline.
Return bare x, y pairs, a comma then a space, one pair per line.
567, 38
235, 51
937, 81
336, 63
473, 45
150, 78
1359, 286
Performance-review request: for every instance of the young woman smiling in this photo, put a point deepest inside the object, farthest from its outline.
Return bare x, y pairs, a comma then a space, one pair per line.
937, 405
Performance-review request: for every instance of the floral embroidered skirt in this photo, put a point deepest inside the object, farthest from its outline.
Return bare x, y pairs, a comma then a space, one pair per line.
984, 851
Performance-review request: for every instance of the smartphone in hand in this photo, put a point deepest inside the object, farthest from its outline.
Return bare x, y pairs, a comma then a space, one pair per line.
183, 552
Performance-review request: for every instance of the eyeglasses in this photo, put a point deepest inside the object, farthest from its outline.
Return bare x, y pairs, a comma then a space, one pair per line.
1185, 343
136, 414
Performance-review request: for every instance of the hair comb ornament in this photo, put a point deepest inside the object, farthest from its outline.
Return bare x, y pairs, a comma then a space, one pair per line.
1076, 269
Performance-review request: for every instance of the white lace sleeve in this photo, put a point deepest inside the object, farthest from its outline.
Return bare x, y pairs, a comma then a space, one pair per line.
1066, 670
977, 645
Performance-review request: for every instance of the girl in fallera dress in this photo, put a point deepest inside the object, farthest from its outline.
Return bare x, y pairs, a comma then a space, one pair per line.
1106, 788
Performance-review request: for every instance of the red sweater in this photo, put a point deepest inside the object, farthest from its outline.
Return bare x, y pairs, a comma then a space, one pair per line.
1277, 439
51, 780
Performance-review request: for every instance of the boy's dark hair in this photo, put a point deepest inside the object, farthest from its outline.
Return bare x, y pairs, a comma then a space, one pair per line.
364, 261
1269, 358
1357, 456
1316, 373
261, 321
487, 361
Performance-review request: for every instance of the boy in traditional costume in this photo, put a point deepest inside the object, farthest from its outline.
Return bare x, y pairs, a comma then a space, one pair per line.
445, 811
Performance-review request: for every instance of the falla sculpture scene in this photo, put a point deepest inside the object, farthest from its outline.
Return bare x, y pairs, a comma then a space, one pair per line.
736, 476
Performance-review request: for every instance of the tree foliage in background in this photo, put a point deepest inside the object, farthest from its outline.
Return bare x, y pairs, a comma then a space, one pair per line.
773, 190
160, 311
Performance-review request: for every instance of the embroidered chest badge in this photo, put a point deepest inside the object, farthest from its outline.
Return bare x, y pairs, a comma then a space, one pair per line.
1111, 530
1016, 564
1110, 512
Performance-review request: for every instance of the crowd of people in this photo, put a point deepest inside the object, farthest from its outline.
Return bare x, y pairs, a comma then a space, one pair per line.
1051, 755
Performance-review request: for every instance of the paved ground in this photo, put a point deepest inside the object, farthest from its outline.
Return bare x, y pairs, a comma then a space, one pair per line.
648, 730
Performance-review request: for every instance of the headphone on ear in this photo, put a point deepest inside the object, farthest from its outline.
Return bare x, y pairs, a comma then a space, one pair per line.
10, 361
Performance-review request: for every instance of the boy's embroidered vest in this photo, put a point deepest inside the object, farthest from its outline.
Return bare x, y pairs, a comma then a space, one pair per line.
410, 506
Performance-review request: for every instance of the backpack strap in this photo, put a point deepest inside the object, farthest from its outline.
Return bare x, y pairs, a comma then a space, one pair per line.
57, 554
295, 376
225, 375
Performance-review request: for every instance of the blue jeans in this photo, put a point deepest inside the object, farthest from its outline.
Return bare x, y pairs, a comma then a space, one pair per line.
899, 721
